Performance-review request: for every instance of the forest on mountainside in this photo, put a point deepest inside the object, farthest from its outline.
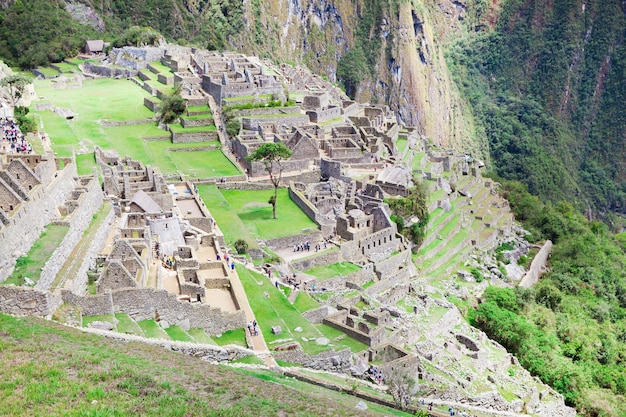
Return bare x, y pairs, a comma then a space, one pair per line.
570, 328
547, 86
545, 81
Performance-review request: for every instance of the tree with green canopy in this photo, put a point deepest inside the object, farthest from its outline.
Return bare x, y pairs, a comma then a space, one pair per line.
271, 154
172, 107
16, 84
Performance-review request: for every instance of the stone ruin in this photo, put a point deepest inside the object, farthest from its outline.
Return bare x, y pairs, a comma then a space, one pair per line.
165, 260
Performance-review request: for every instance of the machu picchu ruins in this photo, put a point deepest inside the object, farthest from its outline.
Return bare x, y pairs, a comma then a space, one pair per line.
145, 246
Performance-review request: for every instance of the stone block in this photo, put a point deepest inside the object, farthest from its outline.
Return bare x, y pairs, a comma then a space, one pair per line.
277, 330
184, 324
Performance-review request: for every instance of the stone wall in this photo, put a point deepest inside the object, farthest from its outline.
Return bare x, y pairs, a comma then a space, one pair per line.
92, 305
339, 362
151, 103
537, 266
295, 119
247, 186
28, 221
22, 301
148, 303
185, 137
390, 266
205, 121
209, 353
88, 204
78, 283
371, 337
317, 315
324, 258
313, 236
106, 71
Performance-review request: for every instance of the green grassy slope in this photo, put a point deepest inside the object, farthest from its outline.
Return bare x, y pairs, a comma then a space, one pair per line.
53, 370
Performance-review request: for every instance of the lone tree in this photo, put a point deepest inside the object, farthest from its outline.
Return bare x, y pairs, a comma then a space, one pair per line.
17, 84
271, 154
171, 107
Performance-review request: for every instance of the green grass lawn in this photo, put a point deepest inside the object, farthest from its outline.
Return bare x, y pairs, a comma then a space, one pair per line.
178, 128
255, 212
105, 317
66, 67
99, 99
29, 266
304, 302
127, 325
232, 337
200, 336
51, 370
198, 117
163, 69
85, 163
230, 224
247, 215
202, 108
250, 360
276, 310
204, 164
152, 330
401, 144
48, 72
334, 270
177, 333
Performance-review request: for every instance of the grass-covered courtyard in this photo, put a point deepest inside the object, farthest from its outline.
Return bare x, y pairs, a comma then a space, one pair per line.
103, 103
247, 214
276, 310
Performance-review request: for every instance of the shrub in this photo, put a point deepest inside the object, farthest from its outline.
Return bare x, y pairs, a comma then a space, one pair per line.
241, 246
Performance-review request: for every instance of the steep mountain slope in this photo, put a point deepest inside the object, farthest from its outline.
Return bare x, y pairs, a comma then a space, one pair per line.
536, 85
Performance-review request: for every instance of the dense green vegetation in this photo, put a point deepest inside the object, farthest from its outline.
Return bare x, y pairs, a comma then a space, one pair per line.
570, 329
546, 87
414, 205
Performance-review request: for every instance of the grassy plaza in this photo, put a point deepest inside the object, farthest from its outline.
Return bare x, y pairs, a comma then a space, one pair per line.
102, 107
247, 214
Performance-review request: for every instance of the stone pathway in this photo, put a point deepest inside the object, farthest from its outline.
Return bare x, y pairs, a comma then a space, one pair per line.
256, 343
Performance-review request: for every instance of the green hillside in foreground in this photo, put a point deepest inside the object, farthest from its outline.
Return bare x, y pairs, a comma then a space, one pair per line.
52, 370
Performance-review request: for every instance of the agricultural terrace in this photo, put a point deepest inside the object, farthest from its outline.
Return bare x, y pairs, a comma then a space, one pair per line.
30, 266
248, 215
104, 102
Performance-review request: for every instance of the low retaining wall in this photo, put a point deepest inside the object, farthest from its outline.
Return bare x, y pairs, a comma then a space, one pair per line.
147, 303
206, 352
194, 137
339, 362
22, 301
78, 283
323, 258
537, 265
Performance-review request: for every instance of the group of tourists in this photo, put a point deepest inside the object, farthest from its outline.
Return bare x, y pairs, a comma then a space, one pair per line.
13, 140
253, 328
306, 246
